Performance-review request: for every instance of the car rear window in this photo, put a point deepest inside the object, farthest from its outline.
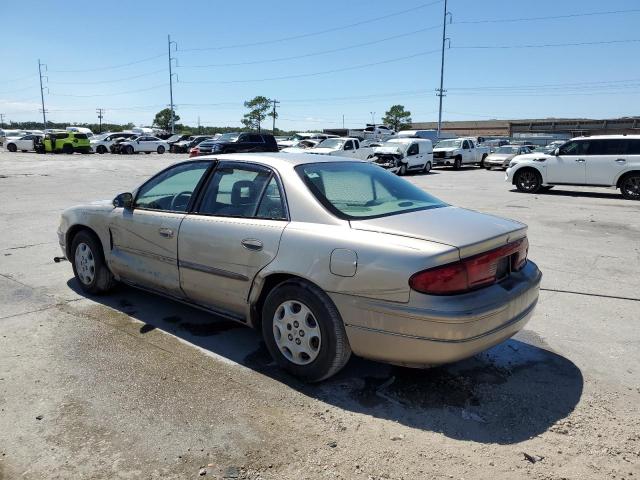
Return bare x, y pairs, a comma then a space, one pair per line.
81, 136
358, 190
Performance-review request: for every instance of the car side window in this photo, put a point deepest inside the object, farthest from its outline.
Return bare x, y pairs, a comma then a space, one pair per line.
357, 144
465, 145
348, 145
633, 147
271, 205
577, 147
171, 190
608, 147
413, 149
235, 191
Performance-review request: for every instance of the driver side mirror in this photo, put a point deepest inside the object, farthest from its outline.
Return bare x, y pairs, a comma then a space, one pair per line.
124, 200
556, 152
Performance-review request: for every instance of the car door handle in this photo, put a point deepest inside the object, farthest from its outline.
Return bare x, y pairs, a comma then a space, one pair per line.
621, 160
252, 244
580, 160
165, 232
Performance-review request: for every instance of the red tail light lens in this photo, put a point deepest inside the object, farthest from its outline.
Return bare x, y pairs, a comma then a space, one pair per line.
194, 152
473, 272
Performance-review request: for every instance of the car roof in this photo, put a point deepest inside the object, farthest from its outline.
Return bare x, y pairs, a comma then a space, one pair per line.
408, 140
279, 159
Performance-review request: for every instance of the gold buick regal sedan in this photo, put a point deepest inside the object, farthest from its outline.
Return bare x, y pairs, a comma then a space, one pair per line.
325, 255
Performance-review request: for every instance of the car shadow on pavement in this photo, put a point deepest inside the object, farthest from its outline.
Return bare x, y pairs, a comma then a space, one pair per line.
574, 193
508, 394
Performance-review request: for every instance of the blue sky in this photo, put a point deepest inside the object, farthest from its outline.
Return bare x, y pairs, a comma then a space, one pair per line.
229, 52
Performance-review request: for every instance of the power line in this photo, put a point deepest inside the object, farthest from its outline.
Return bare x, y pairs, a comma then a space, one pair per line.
18, 79
546, 45
312, 74
313, 54
110, 67
548, 17
19, 90
114, 80
109, 94
319, 32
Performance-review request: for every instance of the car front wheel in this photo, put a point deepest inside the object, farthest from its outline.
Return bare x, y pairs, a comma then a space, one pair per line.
630, 187
89, 266
12, 148
304, 332
160, 149
129, 149
528, 180
427, 167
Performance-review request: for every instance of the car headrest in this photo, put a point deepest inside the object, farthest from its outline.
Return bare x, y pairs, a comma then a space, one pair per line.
243, 192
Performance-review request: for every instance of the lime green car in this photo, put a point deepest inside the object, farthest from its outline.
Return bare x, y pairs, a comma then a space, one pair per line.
65, 142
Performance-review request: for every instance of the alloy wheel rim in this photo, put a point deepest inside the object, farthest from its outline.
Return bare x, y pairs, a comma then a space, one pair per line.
85, 263
632, 186
528, 180
296, 332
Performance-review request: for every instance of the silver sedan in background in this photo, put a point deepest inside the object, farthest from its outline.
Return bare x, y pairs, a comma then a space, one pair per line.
502, 156
324, 255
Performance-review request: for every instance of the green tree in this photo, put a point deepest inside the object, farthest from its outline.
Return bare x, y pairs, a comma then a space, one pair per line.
258, 110
397, 117
163, 119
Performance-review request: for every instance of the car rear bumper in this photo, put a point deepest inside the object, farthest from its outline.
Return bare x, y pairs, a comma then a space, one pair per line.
432, 330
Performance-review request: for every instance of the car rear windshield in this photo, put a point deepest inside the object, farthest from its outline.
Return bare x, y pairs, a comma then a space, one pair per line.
358, 190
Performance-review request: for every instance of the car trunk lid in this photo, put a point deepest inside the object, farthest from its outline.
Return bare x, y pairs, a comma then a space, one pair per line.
469, 231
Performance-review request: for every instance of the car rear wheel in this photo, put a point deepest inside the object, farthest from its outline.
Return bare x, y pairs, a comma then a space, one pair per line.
304, 332
630, 187
12, 147
457, 163
89, 266
67, 148
528, 180
427, 167
160, 149
482, 161
101, 149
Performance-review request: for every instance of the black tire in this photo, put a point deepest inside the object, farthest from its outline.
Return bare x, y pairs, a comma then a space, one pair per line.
528, 180
101, 149
12, 147
334, 349
630, 186
427, 168
457, 163
67, 148
402, 169
161, 149
128, 150
482, 161
102, 280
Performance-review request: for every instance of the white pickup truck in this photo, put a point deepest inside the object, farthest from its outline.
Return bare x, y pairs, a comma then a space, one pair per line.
342, 147
458, 152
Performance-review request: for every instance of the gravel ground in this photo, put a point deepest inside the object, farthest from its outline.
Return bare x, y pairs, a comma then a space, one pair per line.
135, 386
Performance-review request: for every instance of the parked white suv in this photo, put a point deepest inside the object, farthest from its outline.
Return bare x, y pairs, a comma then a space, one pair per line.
599, 161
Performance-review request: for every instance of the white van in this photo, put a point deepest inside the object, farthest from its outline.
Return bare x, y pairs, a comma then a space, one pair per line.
404, 155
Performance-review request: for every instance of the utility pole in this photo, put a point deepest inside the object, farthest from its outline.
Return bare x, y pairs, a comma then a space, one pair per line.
441, 91
1, 120
373, 118
343, 121
173, 123
274, 114
199, 130
44, 112
100, 112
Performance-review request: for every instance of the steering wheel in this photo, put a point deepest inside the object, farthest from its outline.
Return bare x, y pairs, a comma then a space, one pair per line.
175, 198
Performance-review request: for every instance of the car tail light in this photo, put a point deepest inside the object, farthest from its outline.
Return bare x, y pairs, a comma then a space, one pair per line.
473, 272
194, 152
